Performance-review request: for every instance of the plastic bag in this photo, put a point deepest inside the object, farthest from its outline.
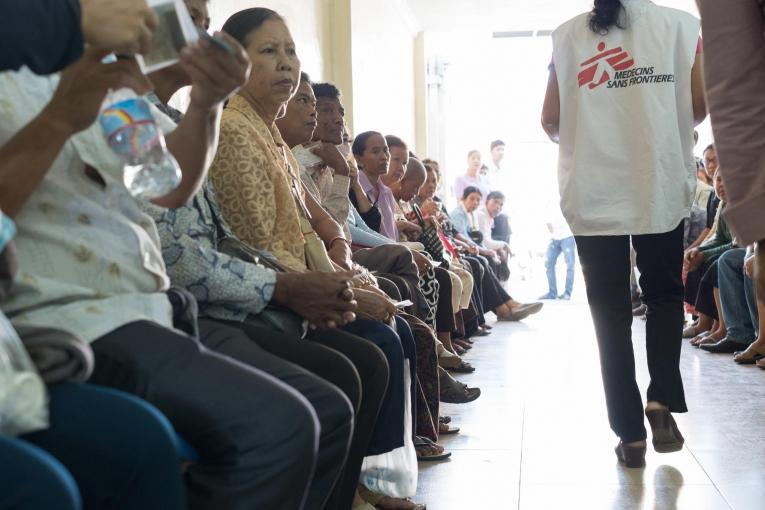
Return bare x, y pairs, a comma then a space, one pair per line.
23, 399
394, 473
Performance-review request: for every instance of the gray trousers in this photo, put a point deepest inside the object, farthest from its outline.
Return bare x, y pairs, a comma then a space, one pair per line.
261, 425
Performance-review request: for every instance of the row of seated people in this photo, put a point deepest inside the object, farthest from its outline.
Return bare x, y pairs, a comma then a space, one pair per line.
719, 289
254, 308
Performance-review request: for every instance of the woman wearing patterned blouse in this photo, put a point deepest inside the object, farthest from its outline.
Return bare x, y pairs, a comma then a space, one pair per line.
258, 187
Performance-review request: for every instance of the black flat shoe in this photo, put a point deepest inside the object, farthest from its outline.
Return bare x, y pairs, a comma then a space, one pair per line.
666, 436
630, 456
724, 346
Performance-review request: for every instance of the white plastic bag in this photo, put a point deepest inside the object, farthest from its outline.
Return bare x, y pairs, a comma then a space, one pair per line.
394, 473
23, 399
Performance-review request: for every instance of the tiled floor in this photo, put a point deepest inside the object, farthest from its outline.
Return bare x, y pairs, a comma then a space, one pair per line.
538, 437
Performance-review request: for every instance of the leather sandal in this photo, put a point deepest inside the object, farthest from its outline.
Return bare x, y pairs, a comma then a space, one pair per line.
423, 443
666, 436
748, 357
446, 430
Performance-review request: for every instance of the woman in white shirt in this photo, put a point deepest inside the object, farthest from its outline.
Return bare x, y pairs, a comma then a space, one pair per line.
624, 92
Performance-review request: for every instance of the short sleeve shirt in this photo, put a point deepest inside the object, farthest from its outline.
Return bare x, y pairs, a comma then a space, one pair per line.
89, 258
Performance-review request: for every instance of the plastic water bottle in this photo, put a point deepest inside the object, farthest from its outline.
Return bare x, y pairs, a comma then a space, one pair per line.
132, 133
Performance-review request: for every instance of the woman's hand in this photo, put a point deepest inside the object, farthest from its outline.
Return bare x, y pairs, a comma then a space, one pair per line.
409, 229
340, 253
430, 208
374, 305
326, 300
423, 263
692, 260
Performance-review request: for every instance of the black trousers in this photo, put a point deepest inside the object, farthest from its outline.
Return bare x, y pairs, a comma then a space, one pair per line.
445, 311
705, 299
269, 433
605, 262
325, 353
492, 292
477, 270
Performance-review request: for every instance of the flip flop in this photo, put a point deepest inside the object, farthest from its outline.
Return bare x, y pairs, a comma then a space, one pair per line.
463, 368
423, 443
748, 357
446, 430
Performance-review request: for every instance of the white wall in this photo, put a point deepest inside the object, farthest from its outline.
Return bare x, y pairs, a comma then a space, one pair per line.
383, 68
305, 19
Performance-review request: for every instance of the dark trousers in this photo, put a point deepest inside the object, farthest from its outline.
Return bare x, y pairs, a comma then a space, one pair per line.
445, 311
477, 270
705, 299
501, 230
606, 266
397, 345
103, 449
493, 294
261, 425
351, 363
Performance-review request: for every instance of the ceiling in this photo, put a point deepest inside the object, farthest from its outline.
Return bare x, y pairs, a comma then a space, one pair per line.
505, 15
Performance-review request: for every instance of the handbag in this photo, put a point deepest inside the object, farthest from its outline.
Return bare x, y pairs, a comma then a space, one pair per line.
273, 316
476, 236
23, 397
316, 256
429, 237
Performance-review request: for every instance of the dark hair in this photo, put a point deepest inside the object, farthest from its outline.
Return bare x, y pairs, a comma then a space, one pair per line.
394, 141
710, 147
497, 143
360, 142
326, 90
605, 15
242, 23
474, 151
495, 195
470, 190
304, 78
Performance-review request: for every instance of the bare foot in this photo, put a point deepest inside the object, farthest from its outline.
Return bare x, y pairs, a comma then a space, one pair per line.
717, 335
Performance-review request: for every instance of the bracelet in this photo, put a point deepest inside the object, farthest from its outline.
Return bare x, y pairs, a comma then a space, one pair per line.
338, 238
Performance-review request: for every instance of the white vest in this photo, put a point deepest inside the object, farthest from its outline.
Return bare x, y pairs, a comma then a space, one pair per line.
626, 162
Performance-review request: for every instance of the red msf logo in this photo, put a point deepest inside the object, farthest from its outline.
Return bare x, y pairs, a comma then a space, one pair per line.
600, 68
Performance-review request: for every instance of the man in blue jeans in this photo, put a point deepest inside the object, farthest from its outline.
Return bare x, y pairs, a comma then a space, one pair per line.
738, 301
561, 241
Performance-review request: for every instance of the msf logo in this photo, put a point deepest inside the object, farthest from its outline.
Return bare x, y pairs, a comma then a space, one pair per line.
601, 68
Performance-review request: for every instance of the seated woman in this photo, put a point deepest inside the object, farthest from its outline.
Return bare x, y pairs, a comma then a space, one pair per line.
492, 295
256, 181
700, 264
377, 164
465, 219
